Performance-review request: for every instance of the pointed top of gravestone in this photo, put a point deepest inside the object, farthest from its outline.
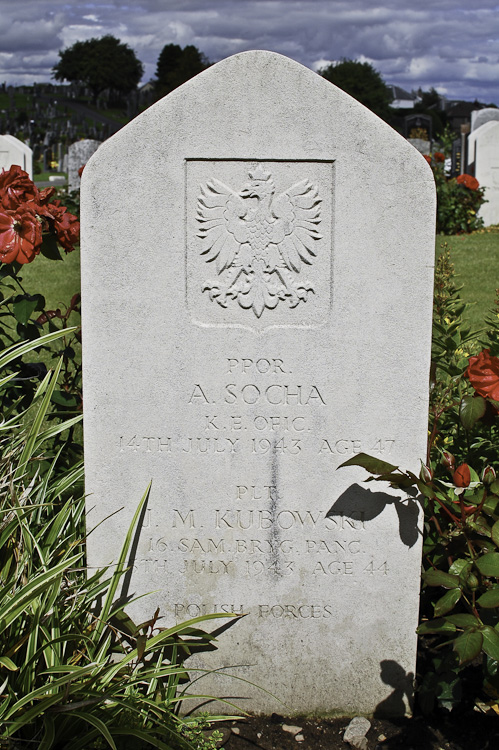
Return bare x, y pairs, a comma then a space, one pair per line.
257, 95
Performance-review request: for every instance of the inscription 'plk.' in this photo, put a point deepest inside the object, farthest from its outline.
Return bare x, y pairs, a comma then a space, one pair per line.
258, 240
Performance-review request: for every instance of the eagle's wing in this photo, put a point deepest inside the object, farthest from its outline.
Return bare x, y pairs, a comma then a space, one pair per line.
298, 212
220, 213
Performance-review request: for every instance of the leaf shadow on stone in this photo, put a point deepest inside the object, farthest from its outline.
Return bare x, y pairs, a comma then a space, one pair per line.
360, 503
395, 676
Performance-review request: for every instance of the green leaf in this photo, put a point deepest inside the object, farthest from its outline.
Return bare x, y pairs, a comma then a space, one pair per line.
459, 565
490, 599
495, 533
472, 409
371, 464
22, 306
98, 724
494, 487
468, 645
439, 578
488, 564
491, 642
436, 626
8, 664
463, 621
50, 248
447, 602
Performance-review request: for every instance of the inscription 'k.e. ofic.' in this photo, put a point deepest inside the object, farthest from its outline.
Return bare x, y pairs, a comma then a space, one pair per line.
259, 241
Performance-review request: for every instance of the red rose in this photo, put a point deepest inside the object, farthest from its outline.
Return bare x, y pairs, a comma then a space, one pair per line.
468, 181
483, 374
439, 156
65, 225
80, 171
428, 158
20, 235
462, 476
16, 188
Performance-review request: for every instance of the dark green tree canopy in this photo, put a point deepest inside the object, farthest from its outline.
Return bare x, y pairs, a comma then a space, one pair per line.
361, 81
176, 66
100, 64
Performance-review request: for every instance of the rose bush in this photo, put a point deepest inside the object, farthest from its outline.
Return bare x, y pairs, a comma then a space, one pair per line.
459, 629
29, 217
34, 222
458, 199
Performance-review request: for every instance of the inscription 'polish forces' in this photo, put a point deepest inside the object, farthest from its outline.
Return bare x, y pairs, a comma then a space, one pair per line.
258, 240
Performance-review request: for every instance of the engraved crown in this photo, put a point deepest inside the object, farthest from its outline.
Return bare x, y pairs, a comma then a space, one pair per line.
259, 174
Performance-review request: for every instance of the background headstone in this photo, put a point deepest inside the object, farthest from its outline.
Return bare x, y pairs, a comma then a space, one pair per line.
480, 116
238, 375
456, 158
483, 153
14, 151
78, 155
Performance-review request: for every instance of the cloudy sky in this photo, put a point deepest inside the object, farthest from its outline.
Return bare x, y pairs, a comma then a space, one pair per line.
452, 45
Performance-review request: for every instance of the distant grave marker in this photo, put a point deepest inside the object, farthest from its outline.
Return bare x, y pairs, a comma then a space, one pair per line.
483, 154
257, 254
78, 155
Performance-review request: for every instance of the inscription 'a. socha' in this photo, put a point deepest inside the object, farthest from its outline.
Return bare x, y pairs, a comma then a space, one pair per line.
259, 241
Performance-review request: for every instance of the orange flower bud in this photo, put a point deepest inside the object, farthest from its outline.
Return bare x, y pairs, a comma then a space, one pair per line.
462, 476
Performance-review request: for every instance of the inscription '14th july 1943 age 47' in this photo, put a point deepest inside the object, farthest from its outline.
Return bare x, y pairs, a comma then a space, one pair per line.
223, 431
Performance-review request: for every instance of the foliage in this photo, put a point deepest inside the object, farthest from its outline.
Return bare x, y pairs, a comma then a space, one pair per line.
460, 490
363, 82
176, 65
71, 672
33, 222
458, 200
100, 64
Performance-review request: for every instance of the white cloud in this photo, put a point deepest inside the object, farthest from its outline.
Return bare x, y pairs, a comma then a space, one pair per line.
450, 45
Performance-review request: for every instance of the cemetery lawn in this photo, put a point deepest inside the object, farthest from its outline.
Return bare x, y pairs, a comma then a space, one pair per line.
475, 257
476, 260
59, 280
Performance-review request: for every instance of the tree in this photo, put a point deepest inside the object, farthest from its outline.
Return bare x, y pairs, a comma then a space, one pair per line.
176, 66
100, 64
361, 81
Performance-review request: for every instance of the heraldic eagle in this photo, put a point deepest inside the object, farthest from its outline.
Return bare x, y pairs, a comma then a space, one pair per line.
259, 241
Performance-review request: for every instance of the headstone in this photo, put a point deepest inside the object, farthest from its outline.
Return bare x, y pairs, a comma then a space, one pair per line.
418, 126
423, 146
14, 151
258, 298
456, 158
480, 116
483, 153
78, 155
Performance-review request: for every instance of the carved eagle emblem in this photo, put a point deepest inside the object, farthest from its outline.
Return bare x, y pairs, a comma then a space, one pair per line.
259, 242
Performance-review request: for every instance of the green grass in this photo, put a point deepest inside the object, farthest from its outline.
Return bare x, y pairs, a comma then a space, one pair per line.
56, 280
476, 261
475, 257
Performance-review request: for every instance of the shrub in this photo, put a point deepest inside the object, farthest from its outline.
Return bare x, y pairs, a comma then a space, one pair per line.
458, 199
459, 487
72, 672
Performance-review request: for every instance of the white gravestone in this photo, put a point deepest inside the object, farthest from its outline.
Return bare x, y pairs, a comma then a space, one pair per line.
483, 150
480, 116
78, 155
13, 151
257, 255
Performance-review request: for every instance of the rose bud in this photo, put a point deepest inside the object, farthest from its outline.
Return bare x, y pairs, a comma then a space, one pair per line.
489, 475
462, 476
425, 474
448, 460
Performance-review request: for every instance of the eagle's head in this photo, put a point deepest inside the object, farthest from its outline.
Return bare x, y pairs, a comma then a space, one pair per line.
260, 185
